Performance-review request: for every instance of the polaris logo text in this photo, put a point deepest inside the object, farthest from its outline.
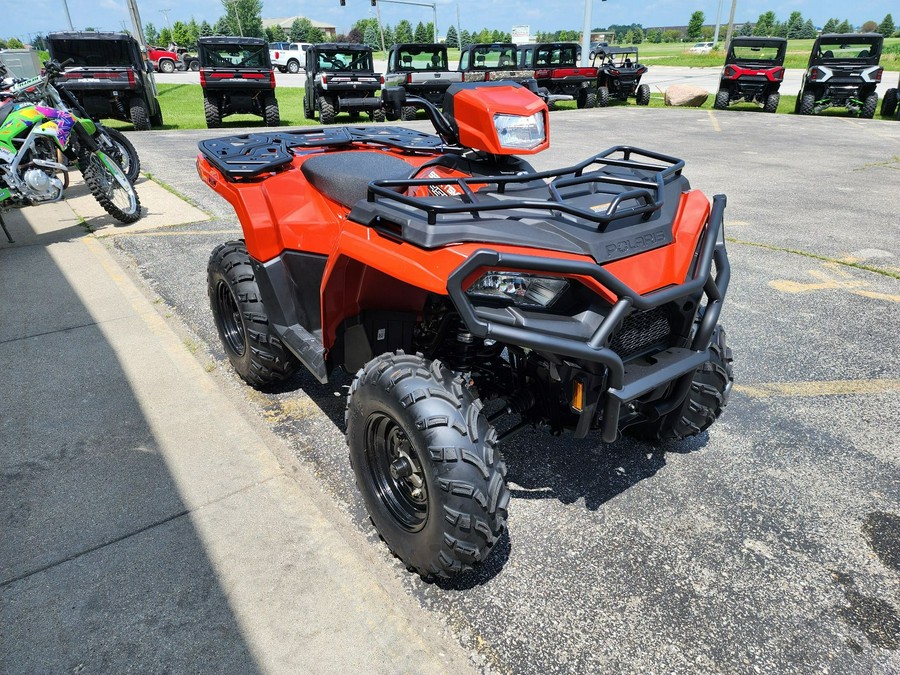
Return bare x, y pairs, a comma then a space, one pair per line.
635, 243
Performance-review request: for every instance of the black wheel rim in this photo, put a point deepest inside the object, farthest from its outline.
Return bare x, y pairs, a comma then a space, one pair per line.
395, 469
230, 318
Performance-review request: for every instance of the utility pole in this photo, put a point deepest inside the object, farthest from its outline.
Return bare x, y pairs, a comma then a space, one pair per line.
586, 32
380, 29
237, 14
168, 23
458, 29
731, 23
718, 16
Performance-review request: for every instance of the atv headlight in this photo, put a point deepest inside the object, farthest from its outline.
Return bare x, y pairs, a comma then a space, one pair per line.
525, 290
517, 131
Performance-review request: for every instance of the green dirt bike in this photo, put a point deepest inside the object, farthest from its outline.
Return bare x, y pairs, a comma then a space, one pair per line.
31, 139
49, 90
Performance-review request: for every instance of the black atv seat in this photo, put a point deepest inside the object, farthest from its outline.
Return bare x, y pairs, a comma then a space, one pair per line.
345, 176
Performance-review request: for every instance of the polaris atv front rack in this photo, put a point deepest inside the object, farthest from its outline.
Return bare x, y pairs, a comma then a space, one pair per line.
648, 192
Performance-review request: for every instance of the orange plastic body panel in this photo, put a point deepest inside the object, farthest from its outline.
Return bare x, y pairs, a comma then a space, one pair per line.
367, 270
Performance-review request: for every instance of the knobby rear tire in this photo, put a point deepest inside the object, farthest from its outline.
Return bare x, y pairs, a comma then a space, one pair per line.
138, 114
258, 357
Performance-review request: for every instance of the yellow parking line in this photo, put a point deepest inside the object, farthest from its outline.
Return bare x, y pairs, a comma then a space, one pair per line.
715, 122
818, 388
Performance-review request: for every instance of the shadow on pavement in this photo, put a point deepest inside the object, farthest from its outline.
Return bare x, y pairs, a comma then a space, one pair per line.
100, 565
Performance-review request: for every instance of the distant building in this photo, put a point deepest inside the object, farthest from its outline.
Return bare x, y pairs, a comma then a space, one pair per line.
287, 22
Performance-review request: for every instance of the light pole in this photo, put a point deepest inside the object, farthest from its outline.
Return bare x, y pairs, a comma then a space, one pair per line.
68, 16
165, 12
433, 6
718, 16
586, 33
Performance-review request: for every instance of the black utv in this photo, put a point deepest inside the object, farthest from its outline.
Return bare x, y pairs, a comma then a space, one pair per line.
843, 72
341, 77
753, 72
237, 78
108, 76
422, 70
619, 75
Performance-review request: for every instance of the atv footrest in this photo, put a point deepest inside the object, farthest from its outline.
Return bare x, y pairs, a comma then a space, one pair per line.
306, 347
644, 376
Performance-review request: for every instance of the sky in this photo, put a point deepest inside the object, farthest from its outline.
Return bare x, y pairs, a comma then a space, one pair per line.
22, 19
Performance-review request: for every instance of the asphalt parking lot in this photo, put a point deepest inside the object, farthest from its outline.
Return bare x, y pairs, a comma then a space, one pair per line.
770, 542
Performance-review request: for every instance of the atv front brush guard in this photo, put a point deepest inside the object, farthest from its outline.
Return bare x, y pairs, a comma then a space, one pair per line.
625, 383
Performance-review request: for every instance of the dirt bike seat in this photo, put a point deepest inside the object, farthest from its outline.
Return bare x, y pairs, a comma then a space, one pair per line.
344, 177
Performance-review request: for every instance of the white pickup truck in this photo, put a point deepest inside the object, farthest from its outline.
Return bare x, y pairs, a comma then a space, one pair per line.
288, 57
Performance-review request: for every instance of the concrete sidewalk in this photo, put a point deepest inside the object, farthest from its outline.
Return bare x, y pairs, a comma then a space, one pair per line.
147, 523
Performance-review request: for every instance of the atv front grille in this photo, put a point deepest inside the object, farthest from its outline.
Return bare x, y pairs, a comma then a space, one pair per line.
640, 331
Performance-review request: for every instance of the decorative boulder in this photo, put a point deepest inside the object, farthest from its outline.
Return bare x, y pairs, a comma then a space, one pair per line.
686, 95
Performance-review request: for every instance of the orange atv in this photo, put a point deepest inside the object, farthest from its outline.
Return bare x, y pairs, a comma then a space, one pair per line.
468, 291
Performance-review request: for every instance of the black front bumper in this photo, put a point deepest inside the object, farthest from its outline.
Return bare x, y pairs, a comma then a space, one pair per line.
625, 382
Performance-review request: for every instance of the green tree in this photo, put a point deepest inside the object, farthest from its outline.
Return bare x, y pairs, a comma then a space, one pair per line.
695, 25
421, 34
193, 34
14, 43
403, 32
765, 24
181, 35
628, 39
371, 37
452, 36
151, 34
221, 27
315, 35
830, 26
299, 28
808, 32
671, 35
638, 36
465, 37
244, 17
654, 35
746, 29
165, 37
279, 34
844, 27
794, 25
205, 29
886, 27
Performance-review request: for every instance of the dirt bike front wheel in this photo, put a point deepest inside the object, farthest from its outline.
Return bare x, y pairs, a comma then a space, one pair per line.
110, 187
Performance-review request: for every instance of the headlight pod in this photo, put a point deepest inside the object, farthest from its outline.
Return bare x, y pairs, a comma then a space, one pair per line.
520, 132
522, 289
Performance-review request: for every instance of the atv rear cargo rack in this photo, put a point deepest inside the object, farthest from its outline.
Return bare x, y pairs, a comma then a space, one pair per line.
250, 155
